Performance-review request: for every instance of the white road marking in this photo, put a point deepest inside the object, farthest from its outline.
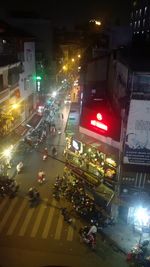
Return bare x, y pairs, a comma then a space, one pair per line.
3, 203
26, 222
7, 214
49, 220
38, 220
59, 227
17, 217
70, 232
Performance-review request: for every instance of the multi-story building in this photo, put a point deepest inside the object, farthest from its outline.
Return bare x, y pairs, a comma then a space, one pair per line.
129, 88
140, 19
17, 85
41, 30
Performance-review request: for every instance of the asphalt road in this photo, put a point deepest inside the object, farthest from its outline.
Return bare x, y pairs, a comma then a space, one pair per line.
38, 236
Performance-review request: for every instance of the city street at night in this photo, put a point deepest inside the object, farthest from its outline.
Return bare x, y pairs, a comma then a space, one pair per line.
75, 133
32, 236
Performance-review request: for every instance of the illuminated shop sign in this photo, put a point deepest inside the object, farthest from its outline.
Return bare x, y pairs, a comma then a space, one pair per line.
77, 145
98, 123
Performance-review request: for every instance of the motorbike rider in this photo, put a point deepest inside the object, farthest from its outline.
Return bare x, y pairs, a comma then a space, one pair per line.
41, 176
33, 193
45, 154
54, 151
19, 167
91, 235
93, 230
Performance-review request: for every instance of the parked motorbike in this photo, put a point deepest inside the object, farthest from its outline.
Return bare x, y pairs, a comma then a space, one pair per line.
66, 216
137, 253
56, 196
8, 187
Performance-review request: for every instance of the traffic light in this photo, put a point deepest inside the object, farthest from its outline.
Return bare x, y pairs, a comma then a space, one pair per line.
38, 78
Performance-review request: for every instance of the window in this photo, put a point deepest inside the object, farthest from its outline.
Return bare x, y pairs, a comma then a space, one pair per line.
135, 24
141, 83
26, 84
140, 11
13, 76
139, 23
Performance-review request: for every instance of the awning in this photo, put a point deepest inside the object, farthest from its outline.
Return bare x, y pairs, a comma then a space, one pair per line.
102, 147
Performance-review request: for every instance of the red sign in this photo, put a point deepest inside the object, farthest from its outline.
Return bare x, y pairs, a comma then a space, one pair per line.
99, 124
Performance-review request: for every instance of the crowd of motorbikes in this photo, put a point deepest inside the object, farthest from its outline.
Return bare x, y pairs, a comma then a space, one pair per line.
8, 187
82, 205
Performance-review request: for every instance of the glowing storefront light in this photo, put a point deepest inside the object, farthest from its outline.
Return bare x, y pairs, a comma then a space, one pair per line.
99, 116
99, 125
141, 216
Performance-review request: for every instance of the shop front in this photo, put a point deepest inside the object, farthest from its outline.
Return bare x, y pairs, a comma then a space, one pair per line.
91, 159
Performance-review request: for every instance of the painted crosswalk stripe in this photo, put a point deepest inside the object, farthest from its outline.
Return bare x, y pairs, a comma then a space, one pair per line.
49, 220
7, 214
3, 204
38, 221
59, 227
70, 231
26, 222
17, 217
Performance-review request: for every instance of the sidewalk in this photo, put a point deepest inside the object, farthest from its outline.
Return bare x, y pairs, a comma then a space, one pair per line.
124, 236
14, 137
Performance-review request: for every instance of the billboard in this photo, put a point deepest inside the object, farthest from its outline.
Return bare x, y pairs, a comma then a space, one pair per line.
137, 143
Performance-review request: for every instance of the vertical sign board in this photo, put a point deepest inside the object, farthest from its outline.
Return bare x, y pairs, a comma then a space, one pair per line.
137, 143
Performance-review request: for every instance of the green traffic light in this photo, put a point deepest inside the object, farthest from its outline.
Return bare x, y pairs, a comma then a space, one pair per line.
38, 78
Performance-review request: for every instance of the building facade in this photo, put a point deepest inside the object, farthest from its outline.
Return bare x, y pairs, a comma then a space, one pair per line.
17, 84
140, 19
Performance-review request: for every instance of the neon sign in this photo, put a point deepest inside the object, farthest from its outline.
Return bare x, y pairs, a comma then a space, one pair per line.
98, 123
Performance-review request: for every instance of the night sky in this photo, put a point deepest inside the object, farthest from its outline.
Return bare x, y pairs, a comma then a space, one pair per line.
72, 12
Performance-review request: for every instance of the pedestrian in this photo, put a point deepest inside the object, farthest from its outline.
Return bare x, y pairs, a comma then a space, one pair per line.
62, 115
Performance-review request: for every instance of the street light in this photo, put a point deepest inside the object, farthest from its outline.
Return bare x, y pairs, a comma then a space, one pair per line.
54, 94
98, 22
64, 67
79, 55
7, 152
15, 106
72, 60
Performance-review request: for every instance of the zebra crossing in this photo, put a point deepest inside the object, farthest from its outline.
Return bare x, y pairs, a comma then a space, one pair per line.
18, 219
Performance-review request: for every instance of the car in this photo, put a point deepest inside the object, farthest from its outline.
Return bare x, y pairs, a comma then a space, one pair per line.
67, 99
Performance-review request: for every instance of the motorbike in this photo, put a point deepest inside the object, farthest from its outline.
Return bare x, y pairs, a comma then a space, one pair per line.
54, 152
44, 157
41, 177
9, 187
66, 216
33, 194
137, 253
19, 167
56, 195
89, 239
